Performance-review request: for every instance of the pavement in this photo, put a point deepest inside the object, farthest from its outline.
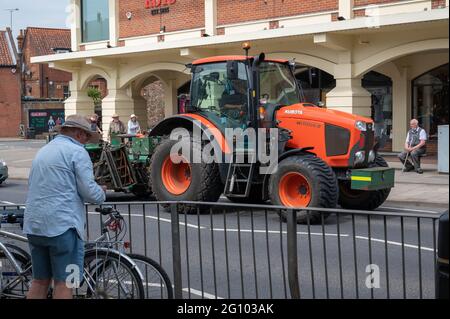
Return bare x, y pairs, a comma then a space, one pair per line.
430, 189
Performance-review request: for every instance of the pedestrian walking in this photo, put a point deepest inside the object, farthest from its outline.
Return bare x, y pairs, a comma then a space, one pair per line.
415, 147
60, 182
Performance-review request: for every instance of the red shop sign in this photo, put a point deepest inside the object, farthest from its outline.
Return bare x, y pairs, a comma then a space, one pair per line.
38, 114
150, 4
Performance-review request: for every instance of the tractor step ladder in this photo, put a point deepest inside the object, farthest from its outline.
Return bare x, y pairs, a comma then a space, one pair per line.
240, 175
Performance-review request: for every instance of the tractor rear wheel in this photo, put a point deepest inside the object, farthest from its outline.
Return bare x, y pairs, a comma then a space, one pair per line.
363, 200
302, 181
183, 180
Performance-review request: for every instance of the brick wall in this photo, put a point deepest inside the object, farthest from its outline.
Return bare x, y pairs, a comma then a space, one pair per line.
435, 4
36, 82
359, 3
101, 85
183, 15
230, 12
154, 94
10, 115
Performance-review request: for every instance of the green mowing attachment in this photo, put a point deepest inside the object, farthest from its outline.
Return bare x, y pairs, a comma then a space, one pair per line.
371, 179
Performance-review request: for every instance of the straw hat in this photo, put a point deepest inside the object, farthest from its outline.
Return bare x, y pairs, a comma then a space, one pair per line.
79, 121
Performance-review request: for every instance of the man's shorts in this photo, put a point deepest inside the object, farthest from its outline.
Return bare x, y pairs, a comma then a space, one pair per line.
59, 258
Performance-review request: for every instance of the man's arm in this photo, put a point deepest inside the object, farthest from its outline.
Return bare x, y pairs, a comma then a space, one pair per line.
407, 148
87, 188
422, 143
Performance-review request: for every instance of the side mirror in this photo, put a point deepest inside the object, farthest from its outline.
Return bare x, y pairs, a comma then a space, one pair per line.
232, 70
320, 104
259, 59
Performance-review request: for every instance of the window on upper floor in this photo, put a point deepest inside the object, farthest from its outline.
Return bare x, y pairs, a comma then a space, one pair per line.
66, 92
95, 20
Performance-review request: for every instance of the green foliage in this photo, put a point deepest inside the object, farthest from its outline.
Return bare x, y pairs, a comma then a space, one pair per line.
95, 95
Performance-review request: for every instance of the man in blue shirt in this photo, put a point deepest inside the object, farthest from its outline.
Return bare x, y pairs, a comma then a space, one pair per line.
60, 182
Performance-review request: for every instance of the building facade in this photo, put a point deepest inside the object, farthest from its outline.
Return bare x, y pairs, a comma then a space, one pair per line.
43, 89
382, 58
10, 108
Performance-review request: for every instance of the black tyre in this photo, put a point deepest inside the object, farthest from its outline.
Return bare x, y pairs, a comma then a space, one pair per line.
142, 189
363, 200
302, 181
157, 284
15, 287
255, 196
110, 276
185, 181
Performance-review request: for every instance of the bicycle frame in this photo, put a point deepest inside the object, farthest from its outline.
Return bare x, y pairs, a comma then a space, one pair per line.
87, 277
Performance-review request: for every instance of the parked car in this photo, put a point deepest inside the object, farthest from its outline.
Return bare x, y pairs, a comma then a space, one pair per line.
3, 171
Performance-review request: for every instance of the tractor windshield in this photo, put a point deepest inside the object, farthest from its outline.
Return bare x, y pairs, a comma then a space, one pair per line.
222, 100
277, 84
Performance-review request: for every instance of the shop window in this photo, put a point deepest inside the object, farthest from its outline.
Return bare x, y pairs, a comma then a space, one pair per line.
314, 84
95, 20
430, 100
66, 92
380, 86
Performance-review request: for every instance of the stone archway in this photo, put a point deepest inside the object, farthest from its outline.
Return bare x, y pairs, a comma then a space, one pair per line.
397, 52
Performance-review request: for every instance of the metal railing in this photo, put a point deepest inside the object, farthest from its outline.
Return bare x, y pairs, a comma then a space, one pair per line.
247, 251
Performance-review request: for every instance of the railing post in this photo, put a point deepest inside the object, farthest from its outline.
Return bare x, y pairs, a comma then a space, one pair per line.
442, 268
292, 254
176, 252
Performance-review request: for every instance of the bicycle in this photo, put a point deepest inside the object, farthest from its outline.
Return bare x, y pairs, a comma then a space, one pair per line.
157, 284
107, 273
154, 280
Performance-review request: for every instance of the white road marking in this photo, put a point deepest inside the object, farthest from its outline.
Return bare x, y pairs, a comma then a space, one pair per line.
24, 160
395, 243
193, 291
199, 293
412, 210
276, 232
156, 218
7, 203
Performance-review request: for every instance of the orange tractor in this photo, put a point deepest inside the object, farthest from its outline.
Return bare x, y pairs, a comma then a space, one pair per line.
325, 157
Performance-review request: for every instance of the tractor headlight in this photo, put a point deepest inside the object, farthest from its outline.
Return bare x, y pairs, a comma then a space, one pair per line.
359, 157
360, 125
372, 156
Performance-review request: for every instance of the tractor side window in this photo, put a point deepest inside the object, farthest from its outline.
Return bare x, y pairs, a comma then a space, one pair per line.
222, 100
277, 84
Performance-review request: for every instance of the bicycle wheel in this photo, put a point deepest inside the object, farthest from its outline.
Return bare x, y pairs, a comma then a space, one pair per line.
14, 285
109, 275
157, 284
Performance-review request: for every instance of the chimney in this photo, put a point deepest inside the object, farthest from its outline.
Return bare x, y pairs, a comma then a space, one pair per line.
20, 40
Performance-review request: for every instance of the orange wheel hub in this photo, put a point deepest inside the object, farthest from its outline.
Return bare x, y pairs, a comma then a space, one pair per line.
176, 177
294, 190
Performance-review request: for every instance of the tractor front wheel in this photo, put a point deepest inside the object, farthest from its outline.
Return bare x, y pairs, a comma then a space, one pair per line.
304, 181
183, 180
363, 200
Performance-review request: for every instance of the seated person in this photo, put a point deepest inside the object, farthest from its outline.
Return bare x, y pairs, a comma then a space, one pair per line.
234, 98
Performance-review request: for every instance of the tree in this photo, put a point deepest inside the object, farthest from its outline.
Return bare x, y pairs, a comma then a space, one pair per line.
95, 95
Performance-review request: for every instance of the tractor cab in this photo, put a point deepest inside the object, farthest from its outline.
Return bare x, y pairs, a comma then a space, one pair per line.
238, 91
